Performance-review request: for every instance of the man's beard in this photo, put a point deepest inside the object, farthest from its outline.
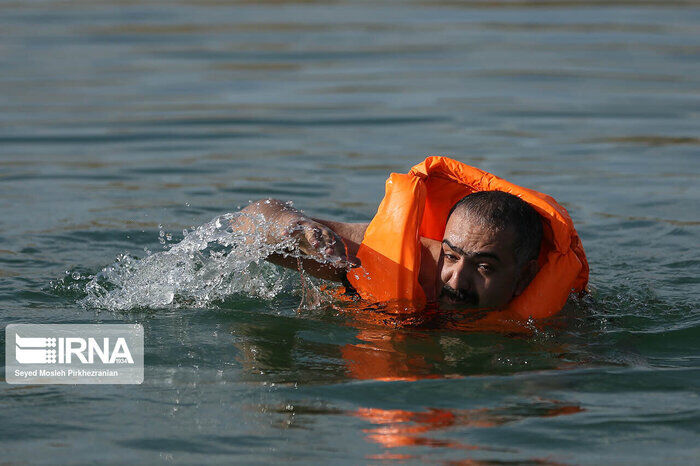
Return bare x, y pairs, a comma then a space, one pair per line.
459, 298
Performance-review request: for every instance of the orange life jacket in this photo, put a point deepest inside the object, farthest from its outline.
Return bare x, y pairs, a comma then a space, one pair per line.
417, 204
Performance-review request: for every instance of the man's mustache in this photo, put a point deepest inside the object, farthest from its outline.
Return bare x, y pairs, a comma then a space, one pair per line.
462, 296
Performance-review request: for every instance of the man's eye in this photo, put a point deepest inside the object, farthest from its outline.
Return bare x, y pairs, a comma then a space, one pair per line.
486, 268
451, 257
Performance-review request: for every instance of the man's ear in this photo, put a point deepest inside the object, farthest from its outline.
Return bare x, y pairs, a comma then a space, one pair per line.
527, 273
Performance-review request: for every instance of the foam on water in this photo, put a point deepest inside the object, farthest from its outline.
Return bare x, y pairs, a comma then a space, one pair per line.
211, 262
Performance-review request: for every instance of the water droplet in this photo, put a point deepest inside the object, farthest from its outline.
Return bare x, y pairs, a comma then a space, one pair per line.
208, 264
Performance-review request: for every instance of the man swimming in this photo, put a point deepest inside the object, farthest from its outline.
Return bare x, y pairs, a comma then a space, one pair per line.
488, 254
445, 233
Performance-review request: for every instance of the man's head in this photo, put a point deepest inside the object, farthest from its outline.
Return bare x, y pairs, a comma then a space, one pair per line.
489, 250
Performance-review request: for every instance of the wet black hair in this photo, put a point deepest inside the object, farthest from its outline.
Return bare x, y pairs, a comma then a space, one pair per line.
502, 211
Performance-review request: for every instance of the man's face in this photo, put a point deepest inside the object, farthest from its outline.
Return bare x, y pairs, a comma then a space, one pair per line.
477, 266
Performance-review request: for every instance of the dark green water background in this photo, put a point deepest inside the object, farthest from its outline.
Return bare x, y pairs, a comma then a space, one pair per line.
120, 116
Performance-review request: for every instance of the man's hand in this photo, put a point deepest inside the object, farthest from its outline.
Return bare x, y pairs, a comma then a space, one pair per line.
325, 249
319, 242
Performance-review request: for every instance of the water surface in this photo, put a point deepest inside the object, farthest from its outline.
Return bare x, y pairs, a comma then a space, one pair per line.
125, 123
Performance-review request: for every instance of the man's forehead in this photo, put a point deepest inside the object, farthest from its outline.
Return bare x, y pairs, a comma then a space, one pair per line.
473, 236
468, 233
463, 219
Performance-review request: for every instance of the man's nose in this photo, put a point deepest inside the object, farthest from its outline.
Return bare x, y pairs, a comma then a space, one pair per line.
460, 278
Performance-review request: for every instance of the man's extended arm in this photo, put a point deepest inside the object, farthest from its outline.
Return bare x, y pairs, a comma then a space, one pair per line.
327, 248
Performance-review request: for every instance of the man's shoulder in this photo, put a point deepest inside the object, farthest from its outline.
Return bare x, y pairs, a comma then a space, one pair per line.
427, 277
431, 247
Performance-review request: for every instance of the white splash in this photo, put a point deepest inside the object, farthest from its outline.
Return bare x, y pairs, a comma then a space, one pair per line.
211, 262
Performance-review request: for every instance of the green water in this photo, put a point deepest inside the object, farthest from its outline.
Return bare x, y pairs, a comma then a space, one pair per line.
124, 123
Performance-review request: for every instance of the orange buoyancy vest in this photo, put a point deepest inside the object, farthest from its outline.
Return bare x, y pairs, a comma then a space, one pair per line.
417, 205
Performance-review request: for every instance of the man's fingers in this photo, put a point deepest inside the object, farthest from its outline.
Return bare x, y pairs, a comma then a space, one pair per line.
338, 255
347, 263
325, 246
353, 262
